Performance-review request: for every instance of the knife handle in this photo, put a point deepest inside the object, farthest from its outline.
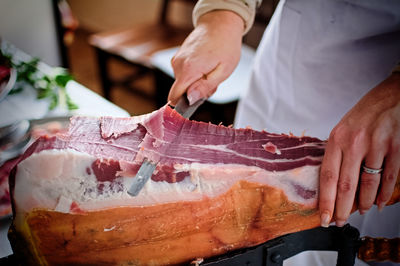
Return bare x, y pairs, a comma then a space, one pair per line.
379, 249
185, 109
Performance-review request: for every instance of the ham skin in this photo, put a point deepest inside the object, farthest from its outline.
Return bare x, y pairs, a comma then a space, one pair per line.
215, 189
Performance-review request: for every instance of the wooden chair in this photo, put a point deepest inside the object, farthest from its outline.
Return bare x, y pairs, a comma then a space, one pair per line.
135, 46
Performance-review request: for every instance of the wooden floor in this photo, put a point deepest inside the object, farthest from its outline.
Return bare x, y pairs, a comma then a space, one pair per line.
83, 66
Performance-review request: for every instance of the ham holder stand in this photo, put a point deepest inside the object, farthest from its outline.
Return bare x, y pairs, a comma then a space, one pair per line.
345, 240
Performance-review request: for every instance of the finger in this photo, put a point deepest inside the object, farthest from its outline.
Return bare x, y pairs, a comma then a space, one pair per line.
207, 85
186, 73
347, 186
191, 76
369, 183
328, 182
180, 86
389, 178
199, 90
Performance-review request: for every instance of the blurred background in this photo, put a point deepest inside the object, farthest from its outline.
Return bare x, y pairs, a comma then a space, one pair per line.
119, 49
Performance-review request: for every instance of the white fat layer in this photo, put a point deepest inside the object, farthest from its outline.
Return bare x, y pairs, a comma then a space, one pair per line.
53, 179
64, 204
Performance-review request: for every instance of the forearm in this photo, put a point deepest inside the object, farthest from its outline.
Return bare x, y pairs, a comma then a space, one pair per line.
245, 9
222, 22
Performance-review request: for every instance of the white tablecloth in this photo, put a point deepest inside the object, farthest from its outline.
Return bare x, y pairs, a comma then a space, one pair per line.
25, 105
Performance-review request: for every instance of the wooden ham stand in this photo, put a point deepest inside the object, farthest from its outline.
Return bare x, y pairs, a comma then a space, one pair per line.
345, 240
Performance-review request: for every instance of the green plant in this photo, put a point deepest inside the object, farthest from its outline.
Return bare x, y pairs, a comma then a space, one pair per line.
47, 85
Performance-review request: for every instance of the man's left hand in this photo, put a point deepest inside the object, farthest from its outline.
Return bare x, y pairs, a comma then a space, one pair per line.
367, 136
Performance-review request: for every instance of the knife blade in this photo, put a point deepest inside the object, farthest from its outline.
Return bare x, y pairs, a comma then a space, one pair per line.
147, 168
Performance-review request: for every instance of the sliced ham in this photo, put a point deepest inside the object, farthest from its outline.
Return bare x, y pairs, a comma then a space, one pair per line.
215, 189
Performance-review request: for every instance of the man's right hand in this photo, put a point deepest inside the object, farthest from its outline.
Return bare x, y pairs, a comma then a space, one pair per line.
208, 56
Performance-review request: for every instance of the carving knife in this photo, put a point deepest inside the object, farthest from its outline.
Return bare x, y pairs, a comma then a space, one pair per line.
147, 168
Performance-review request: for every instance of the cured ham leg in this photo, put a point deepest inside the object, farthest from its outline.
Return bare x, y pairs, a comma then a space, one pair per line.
215, 189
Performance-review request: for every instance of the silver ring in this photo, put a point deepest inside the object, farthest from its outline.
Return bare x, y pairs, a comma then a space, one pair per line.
371, 171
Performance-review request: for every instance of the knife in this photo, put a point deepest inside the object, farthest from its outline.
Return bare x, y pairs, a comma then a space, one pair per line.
147, 168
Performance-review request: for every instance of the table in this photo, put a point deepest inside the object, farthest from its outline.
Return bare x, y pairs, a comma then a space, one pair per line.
25, 106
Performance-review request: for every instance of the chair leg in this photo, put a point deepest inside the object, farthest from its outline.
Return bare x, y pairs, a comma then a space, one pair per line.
105, 80
163, 85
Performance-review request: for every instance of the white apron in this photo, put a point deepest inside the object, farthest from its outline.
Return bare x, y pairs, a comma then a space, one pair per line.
316, 60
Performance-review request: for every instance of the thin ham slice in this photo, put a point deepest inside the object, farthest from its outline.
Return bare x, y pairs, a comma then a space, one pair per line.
215, 189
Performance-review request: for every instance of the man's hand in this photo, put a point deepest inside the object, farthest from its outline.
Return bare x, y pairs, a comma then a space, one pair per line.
369, 135
208, 56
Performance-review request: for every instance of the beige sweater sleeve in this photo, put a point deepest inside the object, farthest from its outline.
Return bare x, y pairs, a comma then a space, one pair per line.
244, 8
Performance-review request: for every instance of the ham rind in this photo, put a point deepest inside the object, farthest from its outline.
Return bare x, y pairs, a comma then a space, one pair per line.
215, 189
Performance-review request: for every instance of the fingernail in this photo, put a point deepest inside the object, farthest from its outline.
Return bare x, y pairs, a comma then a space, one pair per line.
340, 223
381, 205
193, 96
325, 219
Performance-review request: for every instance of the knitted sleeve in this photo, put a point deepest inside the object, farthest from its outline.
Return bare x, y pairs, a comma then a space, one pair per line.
244, 8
